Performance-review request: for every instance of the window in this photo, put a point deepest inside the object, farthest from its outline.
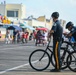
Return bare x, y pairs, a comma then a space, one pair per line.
12, 13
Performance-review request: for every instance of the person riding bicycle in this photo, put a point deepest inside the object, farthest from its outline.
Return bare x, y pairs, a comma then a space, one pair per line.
70, 26
57, 31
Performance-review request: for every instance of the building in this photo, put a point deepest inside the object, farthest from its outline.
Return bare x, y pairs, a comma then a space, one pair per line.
41, 18
47, 22
2, 9
13, 11
39, 22
63, 24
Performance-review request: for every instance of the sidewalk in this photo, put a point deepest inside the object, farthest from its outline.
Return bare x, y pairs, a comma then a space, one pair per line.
39, 73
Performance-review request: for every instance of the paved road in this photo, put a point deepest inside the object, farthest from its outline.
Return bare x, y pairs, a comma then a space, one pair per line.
14, 60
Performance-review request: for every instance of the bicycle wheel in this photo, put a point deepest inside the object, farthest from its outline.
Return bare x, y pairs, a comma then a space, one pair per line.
72, 63
63, 54
39, 60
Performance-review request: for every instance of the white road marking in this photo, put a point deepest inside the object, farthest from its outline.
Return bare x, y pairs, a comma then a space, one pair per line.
14, 68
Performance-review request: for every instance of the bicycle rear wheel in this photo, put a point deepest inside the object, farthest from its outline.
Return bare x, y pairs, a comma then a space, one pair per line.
39, 60
72, 63
63, 54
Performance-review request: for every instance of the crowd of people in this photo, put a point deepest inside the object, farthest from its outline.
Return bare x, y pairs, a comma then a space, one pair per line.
17, 37
38, 36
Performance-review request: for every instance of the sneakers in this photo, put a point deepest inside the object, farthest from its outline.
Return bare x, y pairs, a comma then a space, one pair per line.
55, 70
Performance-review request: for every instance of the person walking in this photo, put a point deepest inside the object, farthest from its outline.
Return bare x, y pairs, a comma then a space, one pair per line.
57, 31
7, 37
0, 35
14, 36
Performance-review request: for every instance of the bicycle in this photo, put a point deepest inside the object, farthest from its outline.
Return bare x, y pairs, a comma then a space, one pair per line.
72, 63
40, 59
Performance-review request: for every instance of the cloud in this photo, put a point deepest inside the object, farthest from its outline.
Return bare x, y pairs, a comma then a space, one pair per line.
73, 2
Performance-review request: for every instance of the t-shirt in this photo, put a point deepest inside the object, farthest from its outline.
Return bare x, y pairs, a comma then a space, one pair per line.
58, 30
73, 31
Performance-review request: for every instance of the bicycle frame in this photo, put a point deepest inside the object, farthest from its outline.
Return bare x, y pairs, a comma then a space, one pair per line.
47, 48
64, 48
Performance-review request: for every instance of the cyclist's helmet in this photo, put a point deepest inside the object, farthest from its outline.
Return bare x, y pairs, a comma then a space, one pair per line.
69, 24
55, 14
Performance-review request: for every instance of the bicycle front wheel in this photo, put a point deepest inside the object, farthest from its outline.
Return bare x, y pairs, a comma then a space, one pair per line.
72, 63
39, 60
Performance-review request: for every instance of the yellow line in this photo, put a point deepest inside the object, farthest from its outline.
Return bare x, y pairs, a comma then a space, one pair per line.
57, 55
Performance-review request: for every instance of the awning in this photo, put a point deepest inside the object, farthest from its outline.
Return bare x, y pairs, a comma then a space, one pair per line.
1, 25
6, 26
13, 27
43, 29
24, 25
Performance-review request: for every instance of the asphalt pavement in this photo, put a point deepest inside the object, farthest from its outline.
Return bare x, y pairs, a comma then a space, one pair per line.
14, 60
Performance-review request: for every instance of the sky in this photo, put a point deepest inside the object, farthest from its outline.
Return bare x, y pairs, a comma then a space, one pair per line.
66, 8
